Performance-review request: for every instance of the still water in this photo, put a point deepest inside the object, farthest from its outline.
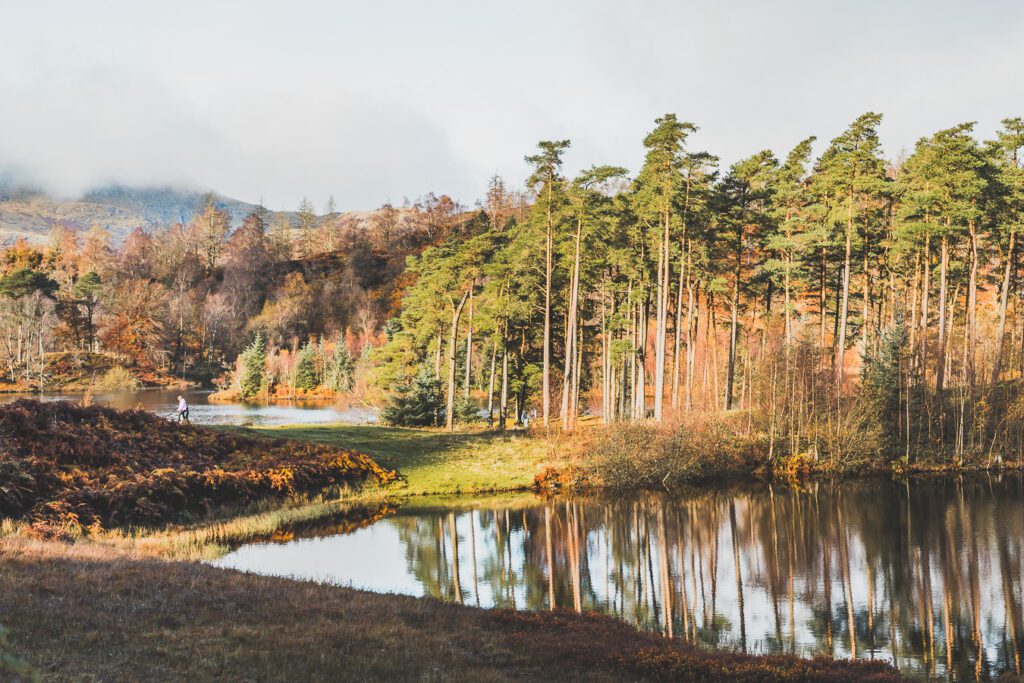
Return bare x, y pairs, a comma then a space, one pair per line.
164, 402
925, 573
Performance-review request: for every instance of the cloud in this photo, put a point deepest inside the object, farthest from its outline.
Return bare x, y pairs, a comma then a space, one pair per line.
373, 102
72, 129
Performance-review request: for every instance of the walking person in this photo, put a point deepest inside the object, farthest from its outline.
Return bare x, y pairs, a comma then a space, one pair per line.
183, 410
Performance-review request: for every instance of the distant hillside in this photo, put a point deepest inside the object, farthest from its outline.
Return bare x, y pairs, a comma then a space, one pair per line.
32, 214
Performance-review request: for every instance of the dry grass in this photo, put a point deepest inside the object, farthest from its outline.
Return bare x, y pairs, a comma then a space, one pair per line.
85, 612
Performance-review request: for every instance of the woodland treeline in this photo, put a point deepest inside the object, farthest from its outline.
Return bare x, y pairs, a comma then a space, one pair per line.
182, 301
825, 299
818, 299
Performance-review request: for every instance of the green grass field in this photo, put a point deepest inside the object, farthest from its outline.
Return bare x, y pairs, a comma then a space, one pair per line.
434, 462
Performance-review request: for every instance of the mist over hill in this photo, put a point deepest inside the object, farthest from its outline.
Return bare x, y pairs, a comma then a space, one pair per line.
31, 213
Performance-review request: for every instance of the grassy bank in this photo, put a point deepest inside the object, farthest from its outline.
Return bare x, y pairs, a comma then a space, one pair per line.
84, 612
435, 462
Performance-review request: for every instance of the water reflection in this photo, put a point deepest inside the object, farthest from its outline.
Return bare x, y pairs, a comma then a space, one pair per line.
926, 573
164, 402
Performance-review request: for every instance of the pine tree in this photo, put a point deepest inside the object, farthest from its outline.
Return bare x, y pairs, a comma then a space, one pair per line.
852, 174
418, 403
254, 369
659, 189
549, 184
305, 370
340, 369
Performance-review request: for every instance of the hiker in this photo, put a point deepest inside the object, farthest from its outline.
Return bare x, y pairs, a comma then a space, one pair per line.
183, 410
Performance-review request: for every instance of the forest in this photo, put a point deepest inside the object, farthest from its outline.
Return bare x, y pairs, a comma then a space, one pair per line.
841, 306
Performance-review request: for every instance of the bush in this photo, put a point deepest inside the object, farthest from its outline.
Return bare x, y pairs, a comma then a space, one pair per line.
419, 403
117, 378
648, 456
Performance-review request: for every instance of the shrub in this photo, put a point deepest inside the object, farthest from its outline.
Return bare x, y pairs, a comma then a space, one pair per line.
880, 384
116, 379
645, 455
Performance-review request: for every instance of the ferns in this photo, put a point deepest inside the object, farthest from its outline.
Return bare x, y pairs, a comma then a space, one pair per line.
67, 467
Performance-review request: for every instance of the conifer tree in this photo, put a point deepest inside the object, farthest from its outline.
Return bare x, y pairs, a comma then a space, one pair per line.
549, 185
419, 403
659, 189
254, 369
305, 370
851, 173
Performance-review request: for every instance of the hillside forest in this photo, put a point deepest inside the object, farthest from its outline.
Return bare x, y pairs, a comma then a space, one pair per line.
843, 304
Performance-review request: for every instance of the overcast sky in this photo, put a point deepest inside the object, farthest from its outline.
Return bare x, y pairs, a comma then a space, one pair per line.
376, 101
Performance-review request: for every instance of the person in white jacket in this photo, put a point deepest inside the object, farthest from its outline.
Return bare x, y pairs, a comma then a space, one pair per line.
183, 410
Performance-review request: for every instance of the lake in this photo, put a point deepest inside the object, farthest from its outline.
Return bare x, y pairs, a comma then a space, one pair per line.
164, 402
925, 573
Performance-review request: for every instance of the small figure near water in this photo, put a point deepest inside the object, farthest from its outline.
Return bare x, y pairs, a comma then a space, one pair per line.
183, 410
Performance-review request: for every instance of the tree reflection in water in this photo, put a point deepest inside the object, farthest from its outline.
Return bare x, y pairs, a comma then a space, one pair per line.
926, 572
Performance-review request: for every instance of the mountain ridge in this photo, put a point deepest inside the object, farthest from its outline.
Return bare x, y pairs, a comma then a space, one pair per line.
30, 214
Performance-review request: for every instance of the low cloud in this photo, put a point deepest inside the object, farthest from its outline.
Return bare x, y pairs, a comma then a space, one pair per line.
69, 130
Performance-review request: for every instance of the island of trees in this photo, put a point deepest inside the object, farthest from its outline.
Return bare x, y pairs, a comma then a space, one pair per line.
835, 306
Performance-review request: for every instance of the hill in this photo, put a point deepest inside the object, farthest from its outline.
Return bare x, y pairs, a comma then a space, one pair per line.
31, 213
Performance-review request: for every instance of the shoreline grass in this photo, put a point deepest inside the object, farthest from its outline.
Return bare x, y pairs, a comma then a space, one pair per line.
432, 462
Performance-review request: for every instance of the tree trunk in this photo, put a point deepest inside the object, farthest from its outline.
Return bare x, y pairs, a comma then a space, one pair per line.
733, 329
925, 287
789, 317
678, 332
844, 306
452, 340
570, 331
823, 299
469, 348
605, 368
972, 308
865, 302
490, 386
574, 401
692, 336
502, 415
643, 313
548, 270
1004, 297
664, 267
940, 372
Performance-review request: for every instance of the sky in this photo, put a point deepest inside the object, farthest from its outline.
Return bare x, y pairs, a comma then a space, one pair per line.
387, 100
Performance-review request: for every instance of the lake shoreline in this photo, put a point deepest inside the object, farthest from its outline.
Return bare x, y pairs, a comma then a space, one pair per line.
432, 462
534, 467
73, 610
